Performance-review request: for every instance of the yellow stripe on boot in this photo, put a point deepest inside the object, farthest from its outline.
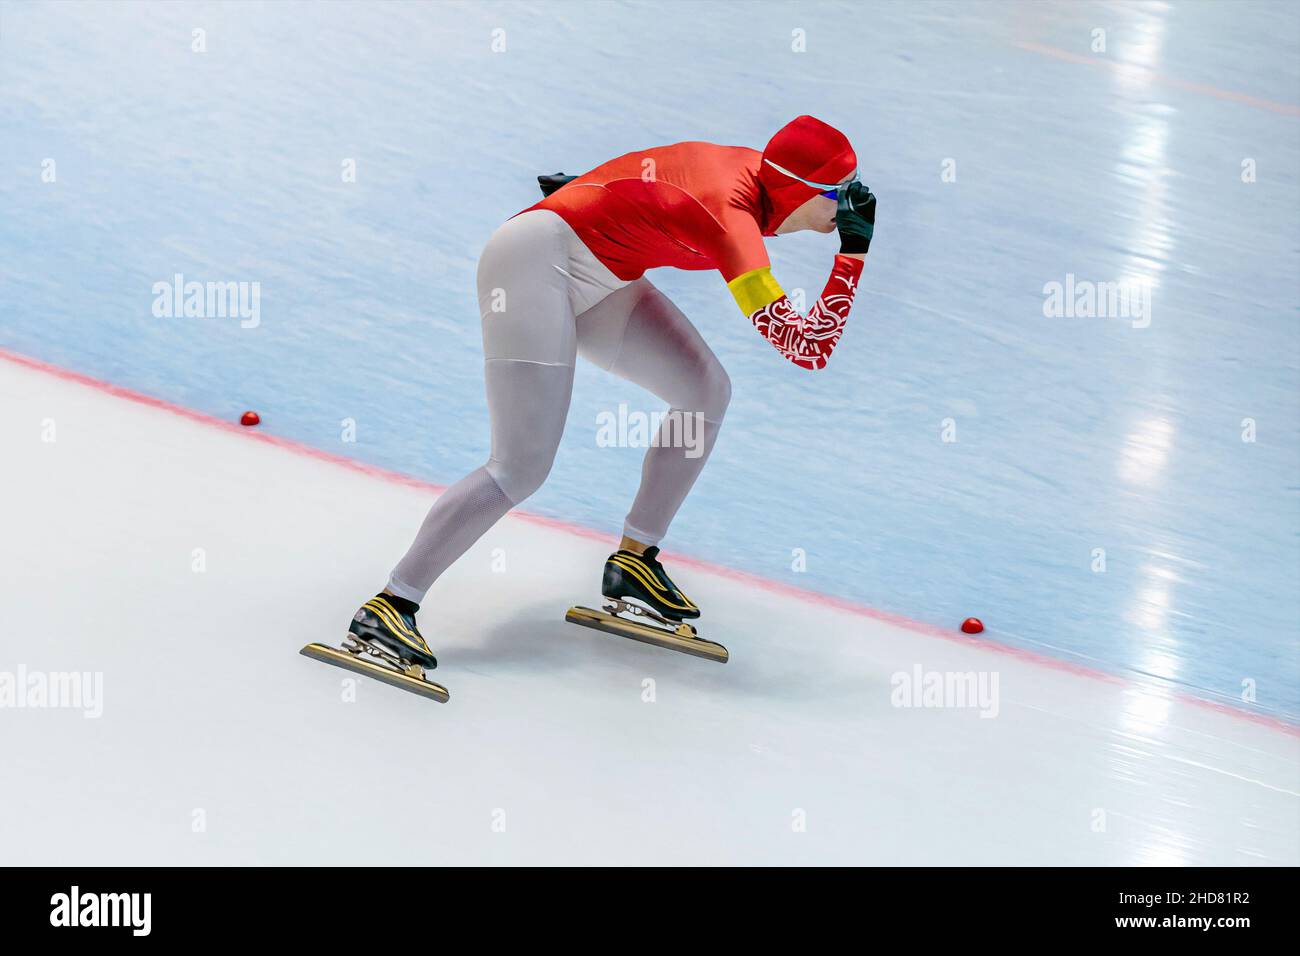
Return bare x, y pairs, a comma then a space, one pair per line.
646, 577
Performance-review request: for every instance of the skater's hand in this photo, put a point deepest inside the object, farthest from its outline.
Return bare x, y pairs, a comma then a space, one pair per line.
855, 217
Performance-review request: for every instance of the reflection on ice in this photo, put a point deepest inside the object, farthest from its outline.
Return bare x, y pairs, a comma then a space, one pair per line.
1145, 451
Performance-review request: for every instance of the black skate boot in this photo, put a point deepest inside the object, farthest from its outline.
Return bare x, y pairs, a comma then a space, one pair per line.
645, 605
642, 578
390, 622
384, 629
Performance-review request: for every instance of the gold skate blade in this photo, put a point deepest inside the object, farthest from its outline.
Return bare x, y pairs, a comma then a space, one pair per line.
358, 665
647, 634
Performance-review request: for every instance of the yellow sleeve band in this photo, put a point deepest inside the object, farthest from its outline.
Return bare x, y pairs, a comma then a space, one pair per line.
755, 289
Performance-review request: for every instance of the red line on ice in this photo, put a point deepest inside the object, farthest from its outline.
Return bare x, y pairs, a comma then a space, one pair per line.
1119, 66
743, 577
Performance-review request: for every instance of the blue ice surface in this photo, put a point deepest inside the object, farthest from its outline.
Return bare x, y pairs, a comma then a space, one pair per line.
1072, 434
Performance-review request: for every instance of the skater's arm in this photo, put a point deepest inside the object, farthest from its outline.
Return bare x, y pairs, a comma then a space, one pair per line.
806, 340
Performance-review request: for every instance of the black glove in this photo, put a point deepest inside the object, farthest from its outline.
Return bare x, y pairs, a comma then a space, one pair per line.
855, 217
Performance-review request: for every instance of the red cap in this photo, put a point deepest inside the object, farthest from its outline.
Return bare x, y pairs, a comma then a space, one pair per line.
810, 149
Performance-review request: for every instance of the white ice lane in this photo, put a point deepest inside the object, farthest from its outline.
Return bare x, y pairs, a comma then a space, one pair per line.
184, 566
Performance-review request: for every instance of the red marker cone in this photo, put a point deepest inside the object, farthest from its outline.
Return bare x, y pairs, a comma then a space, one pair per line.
250, 419
972, 625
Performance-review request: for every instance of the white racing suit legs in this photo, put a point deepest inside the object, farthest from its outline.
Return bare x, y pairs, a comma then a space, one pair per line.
544, 299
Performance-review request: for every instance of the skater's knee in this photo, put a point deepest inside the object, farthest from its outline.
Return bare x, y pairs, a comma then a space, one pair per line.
713, 391
520, 475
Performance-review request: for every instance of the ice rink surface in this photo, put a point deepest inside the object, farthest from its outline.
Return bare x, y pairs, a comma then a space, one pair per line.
1120, 505
216, 743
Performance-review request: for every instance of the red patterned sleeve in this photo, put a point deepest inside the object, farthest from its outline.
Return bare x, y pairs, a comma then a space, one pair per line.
806, 340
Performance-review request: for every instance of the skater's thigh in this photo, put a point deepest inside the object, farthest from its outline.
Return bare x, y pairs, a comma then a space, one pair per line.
663, 352
528, 403
602, 327
523, 295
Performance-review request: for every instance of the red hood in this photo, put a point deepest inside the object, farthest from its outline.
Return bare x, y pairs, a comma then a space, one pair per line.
808, 148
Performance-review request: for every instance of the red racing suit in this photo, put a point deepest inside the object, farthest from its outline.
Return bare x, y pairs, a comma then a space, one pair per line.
698, 205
